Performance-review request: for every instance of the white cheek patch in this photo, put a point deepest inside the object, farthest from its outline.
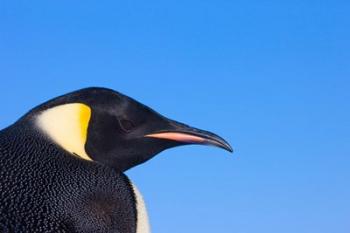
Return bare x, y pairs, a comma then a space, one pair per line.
67, 126
142, 225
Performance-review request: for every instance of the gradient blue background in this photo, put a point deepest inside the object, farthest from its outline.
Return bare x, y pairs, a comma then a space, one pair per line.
272, 77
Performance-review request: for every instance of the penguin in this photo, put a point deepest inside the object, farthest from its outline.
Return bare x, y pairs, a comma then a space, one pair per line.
62, 164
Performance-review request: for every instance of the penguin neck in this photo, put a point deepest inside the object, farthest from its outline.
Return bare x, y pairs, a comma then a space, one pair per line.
22, 138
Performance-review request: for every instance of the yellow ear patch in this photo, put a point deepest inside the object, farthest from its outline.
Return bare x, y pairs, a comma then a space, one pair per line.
84, 115
67, 125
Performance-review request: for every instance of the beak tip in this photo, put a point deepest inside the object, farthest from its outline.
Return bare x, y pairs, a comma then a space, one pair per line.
222, 143
228, 148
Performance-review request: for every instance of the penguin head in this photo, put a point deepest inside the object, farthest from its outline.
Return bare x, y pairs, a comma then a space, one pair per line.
105, 126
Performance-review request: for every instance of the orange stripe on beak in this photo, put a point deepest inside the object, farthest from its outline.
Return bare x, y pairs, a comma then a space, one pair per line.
179, 137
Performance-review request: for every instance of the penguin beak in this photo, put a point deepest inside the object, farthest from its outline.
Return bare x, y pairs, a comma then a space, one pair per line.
188, 135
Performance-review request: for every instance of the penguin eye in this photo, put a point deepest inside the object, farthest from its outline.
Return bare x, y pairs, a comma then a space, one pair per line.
126, 125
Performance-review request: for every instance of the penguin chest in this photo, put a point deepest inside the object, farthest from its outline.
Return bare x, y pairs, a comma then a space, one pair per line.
98, 204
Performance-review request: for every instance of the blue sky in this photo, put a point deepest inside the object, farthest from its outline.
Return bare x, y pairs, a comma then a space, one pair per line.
272, 77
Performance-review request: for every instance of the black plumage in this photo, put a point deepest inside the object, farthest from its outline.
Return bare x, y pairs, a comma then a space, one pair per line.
45, 189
